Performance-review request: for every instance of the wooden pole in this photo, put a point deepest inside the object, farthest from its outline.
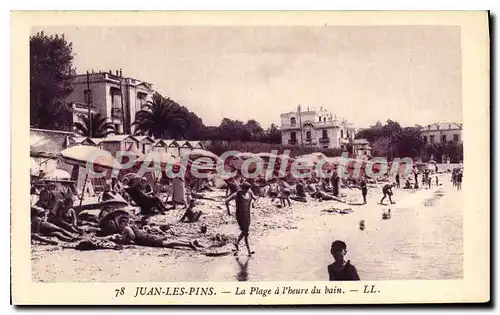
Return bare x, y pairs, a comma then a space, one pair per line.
88, 104
124, 123
83, 190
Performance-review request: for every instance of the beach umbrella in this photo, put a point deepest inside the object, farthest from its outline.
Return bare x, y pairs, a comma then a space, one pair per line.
267, 155
198, 153
246, 155
57, 174
80, 155
34, 168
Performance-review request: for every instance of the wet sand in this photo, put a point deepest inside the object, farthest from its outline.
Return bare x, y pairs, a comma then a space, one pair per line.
422, 240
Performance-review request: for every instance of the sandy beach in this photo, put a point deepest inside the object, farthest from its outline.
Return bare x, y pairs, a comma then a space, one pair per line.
422, 240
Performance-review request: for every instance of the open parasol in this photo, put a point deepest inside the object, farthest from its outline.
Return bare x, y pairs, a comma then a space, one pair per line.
198, 153
80, 155
34, 167
57, 174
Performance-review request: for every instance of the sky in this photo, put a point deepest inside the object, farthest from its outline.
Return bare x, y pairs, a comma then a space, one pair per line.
410, 74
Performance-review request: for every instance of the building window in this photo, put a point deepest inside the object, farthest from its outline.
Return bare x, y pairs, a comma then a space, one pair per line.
425, 139
141, 97
293, 136
319, 118
443, 139
87, 96
324, 119
293, 121
115, 97
308, 134
456, 138
342, 133
431, 139
324, 133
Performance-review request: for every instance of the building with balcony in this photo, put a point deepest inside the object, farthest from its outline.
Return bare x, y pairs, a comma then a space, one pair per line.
361, 147
317, 128
113, 96
442, 133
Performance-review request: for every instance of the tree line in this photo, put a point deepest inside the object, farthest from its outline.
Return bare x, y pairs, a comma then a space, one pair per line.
391, 140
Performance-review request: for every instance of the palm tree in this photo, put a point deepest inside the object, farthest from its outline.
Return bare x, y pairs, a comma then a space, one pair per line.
101, 127
161, 118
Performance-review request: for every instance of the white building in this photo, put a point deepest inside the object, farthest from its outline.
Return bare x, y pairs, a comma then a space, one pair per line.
318, 128
110, 94
442, 133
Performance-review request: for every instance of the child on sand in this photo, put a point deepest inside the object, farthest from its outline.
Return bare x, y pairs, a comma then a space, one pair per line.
341, 270
285, 193
243, 198
387, 191
190, 215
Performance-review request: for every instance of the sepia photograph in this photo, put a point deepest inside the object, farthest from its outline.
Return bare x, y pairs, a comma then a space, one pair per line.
244, 153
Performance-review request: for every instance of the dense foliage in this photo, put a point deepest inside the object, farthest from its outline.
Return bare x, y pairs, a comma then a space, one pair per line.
51, 73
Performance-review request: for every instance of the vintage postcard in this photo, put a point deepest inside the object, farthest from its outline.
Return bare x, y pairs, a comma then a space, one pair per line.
225, 158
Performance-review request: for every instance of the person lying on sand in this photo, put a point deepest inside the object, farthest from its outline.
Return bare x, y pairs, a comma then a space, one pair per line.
190, 215
40, 227
243, 200
133, 235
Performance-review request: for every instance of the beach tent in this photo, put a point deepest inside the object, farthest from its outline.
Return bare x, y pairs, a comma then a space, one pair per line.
168, 146
184, 148
145, 144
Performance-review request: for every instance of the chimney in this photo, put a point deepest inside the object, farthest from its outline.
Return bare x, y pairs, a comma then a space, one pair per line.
117, 73
110, 72
121, 72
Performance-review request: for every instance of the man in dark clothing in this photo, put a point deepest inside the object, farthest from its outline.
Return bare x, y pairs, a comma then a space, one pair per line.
387, 191
397, 180
335, 184
459, 180
364, 189
341, 270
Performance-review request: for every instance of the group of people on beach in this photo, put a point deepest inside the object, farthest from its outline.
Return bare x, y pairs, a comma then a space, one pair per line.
53, 214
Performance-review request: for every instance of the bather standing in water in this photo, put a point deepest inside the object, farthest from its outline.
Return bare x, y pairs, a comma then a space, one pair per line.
243, 198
